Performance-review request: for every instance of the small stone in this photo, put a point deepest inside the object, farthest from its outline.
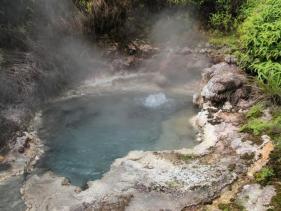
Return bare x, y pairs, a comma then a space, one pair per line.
227, 106
265, 139
2, 158
197, 100
230, 59
65, 182
199, 139
256, 197
206, 106
232, 167
21, 149
77, 190
267, 116
202, 118
150, 167
26, 145
185, 51
28, 138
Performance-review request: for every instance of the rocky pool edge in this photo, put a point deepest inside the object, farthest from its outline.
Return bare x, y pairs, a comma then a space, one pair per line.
176, 179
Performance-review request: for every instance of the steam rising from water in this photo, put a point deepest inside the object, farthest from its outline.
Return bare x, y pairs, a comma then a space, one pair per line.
176, 29
69, 57
58, 33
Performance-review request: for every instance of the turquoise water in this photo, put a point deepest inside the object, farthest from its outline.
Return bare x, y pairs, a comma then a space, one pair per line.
85, 135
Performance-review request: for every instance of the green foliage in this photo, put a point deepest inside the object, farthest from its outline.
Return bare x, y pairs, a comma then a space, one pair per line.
264, 176
261, 32
275, 165
269, 76
275, 159
261, 43
221, 15
220, 39
104, 16
224, 16
231, 207
256, 111
84, 5
258, 126
276, 200
221, 21
186, 157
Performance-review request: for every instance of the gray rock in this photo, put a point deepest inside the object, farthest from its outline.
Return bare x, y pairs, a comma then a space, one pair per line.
130, 184
224, 82
256, 198
197, 100
230, 59
185, 51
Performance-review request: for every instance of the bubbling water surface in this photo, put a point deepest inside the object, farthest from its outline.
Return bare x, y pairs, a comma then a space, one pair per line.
84, 135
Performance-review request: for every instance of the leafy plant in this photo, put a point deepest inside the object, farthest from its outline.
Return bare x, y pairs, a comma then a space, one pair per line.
255, 111
264, 175
276, 200
269, 76
231, 207
219, 14
261, 43
256, 126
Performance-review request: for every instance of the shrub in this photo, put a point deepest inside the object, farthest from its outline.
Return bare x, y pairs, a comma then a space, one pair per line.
255, 111
275, 161
269, 76
258, 126
232, 206
264, 176
261, 32
219, 14
221, 21
261, 43
104, 15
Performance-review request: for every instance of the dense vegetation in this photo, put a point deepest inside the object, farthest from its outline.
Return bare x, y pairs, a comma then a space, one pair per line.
121, 20
220, 15
261, 44
257, 29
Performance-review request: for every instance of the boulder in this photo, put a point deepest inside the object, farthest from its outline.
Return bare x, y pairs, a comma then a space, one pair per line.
224, 82
230, 59
256, 198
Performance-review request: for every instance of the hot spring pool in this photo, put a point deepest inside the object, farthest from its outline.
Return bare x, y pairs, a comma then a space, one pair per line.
84, 135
